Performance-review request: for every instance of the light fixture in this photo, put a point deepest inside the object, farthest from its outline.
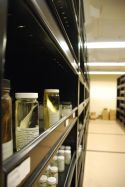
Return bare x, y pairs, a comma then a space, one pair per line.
106, 73
98, 45
98, 64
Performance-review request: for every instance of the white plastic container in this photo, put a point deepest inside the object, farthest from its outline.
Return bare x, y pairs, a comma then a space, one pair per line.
67, 157
51, 182
47, 170
54, 172
54, 161
61, 163
62, 147
43, 181
26, 118
67, 147
61, 152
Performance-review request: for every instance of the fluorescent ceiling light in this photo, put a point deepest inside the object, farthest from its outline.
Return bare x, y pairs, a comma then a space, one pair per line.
105, 73
97, 45
98, 64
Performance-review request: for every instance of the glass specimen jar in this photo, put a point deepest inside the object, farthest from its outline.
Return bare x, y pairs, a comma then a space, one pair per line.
26, 118
6, 120
66, 108
51, 107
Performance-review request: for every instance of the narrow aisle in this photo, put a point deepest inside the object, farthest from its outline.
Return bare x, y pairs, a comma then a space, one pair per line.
105, 155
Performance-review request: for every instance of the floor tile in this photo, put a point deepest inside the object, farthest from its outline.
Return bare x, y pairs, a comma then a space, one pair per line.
106, 142
104, 170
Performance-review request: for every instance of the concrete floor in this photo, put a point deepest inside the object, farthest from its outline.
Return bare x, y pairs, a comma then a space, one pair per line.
105, 155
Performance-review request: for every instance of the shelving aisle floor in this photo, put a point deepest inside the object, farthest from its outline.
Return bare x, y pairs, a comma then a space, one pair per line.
105, 155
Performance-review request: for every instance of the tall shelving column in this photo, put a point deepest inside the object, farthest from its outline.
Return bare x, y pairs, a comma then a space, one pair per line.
121, 99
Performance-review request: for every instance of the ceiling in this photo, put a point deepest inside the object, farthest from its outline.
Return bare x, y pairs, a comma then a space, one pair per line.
105, 21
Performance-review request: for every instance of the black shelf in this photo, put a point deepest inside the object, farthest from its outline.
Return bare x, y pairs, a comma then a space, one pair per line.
59, 131
65, 178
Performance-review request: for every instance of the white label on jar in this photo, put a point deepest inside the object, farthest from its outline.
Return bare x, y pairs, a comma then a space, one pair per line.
74, 115
25, 135
16, 176
67, 122
7, 149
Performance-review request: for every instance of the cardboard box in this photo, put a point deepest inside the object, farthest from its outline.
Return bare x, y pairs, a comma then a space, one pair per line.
93, 115
105, 114
112, 115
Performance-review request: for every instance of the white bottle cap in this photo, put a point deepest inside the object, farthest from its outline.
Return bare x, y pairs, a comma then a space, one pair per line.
62, 147
43, 179
51, 180
61, 152
54, 169
60, 157
51, 90
68, 151
26, 95
67, 147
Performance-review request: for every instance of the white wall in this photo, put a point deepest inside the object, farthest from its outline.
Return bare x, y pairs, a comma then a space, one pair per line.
103, 92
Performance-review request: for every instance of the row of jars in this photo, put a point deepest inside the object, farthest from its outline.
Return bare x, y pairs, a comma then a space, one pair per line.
57, 164
27, 110
27, 116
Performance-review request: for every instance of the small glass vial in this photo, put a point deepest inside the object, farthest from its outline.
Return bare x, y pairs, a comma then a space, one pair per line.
61, 163
51, 107
66, 108
26, 118
6, 120
62, 147
54, 173
67, 156
67, 147
51, 182
61, 152
43, 181
47, 170
54, 161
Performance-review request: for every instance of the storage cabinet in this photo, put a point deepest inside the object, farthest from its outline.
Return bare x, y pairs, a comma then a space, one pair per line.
42, 47
121, 99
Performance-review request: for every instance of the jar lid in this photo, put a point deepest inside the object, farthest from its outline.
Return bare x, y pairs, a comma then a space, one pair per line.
60, 151
68, 151
26, 95
6, 83
53, 169
51, 90
62, 147
51, 180
68, 147
66, 103
43, 179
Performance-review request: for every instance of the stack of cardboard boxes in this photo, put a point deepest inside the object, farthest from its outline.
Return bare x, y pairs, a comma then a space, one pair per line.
112, 115
108, 115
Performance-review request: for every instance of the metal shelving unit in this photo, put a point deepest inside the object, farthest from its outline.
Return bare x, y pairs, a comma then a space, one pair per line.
43, 51
121, 99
